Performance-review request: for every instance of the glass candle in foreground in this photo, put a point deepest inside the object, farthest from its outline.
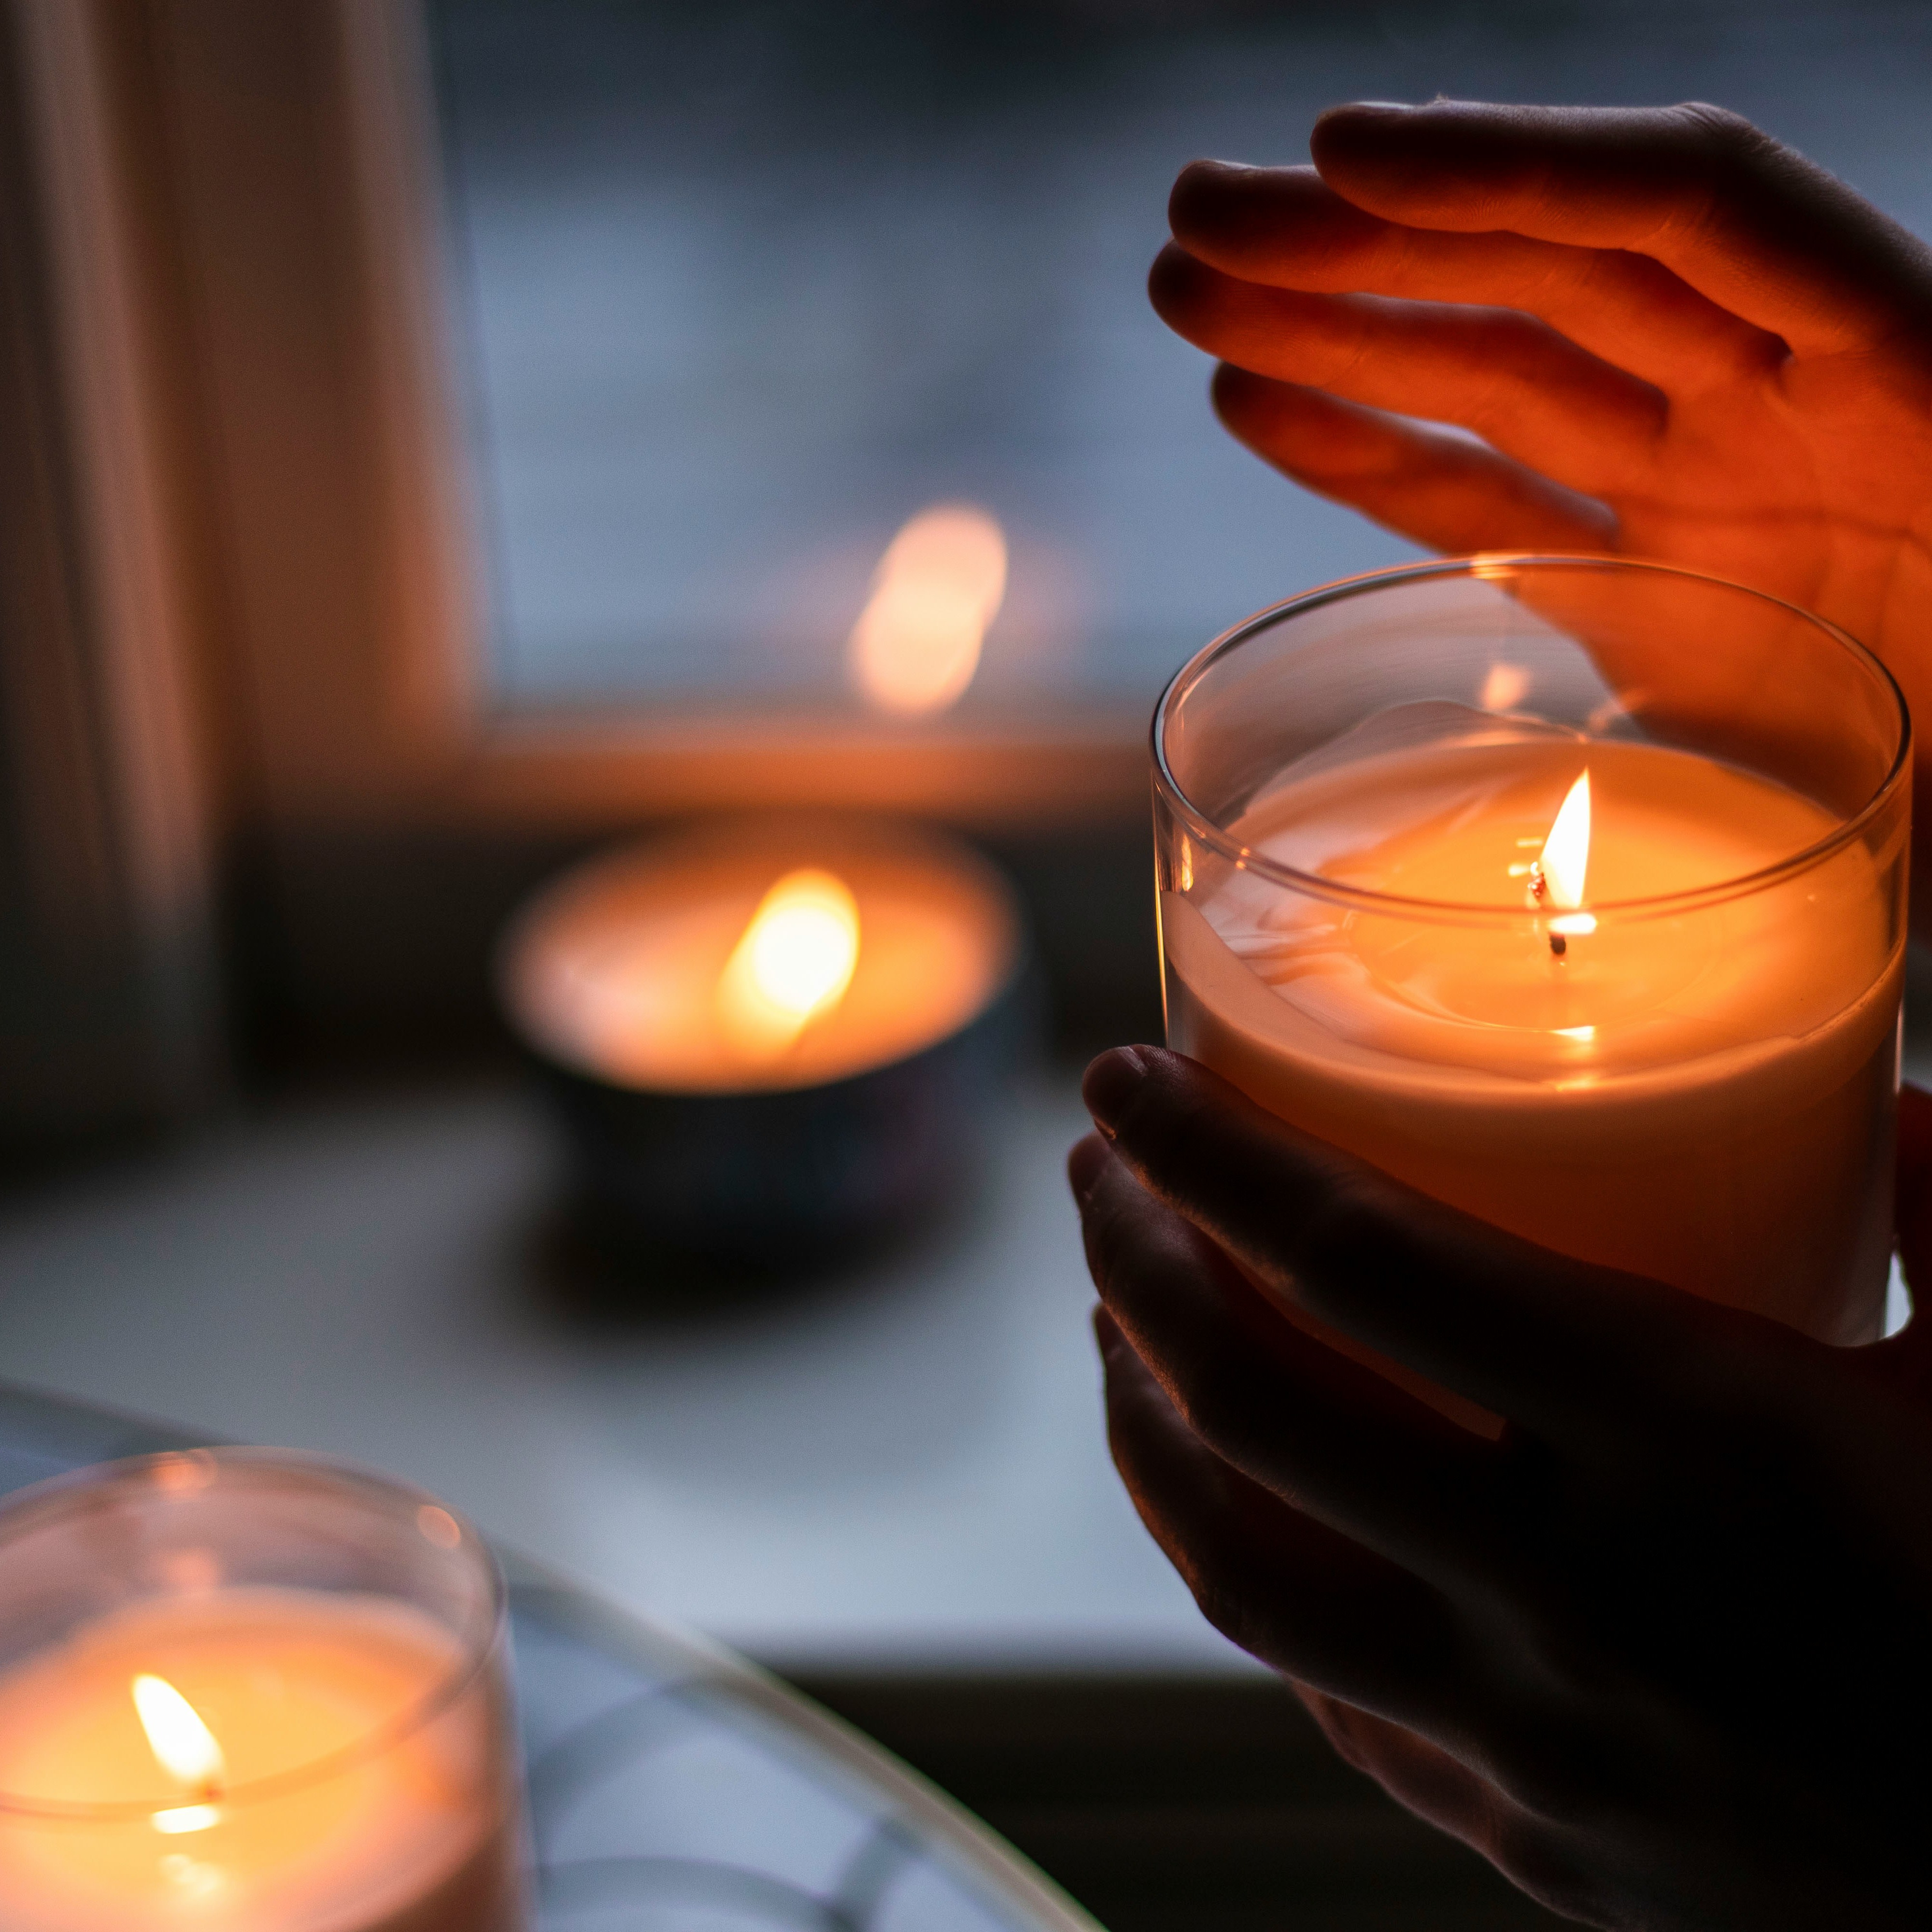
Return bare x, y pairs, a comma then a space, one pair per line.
1571, 892
242, 1689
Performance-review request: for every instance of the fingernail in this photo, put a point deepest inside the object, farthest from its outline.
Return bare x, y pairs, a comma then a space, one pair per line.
1110, 1086
1085, 1165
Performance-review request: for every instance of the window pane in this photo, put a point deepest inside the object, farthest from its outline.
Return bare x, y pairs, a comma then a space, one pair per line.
744, 288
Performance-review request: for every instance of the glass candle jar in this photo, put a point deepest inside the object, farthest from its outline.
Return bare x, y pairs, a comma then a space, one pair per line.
244, 1688
1569, 891
770, 1041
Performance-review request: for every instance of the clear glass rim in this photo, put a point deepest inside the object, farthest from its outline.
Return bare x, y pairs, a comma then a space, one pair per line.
1488, 564
78, 1490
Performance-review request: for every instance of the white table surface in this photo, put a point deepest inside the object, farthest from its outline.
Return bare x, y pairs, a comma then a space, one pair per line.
667, 1786
907, 1467
904, 1468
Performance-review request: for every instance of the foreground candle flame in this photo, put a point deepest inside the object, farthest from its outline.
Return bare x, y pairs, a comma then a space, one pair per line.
792, 964
185, 1749
1566, 852
1559, 873
940, 583
184, 1745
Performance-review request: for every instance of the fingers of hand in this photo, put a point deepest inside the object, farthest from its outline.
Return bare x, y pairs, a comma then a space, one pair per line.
1573, 1352
1330, 1438
1446, 491
1287, 227
1283, 1586
1512, 379
1423, 1776
1748, 223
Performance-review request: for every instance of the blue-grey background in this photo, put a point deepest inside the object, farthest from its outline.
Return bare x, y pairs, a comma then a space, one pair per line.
738, 286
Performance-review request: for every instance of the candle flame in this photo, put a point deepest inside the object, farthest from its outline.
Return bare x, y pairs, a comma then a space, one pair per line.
792, 964
1565, 861
185, 1749
940, 583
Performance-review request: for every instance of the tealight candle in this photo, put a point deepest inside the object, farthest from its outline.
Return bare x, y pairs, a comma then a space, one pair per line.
769, 1038
241, 1690
1615, 967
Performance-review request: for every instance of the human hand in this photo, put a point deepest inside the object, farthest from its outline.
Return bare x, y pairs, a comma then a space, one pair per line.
1664, 1652
1677, 339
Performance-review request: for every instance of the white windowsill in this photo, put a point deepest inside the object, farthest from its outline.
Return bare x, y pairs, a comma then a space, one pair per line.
907, 1468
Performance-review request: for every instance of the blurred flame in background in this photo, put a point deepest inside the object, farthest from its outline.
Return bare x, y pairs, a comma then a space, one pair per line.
183, 1743
1505, 687
916, 644
794, 963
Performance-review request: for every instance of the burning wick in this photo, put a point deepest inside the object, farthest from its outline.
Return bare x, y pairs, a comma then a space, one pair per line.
1557, 877
185, 1749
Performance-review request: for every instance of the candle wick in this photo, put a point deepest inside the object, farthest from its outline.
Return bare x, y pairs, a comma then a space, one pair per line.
1559, 945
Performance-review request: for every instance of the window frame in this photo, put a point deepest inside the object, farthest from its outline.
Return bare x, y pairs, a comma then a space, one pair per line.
306, 184
238, 581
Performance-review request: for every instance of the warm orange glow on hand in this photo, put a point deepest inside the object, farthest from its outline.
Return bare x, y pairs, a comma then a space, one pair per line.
940, 583
794, 964
184, 1748
1671, 338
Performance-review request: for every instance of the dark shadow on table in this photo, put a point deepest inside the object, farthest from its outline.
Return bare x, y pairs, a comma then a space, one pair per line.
1180, 1804
588, 1268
